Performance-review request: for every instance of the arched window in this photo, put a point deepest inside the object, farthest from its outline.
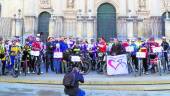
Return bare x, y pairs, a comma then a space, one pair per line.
163, 22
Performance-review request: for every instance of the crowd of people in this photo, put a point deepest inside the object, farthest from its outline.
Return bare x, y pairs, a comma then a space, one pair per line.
57, 50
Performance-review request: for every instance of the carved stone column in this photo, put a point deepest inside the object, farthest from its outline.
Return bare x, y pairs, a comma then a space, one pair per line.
52, 23
19, 27
130, 27
29, 24
90, 27
167, 28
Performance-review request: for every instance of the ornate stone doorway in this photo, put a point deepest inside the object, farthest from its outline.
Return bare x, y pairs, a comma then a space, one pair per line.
106, 21
43, 25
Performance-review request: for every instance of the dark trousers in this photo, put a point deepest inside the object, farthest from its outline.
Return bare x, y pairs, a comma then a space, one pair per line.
145, 64
135, 61
3, 67
166, 57
35, 64
49, 62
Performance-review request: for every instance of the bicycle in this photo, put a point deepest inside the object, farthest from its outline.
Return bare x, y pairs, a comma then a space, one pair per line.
159, 59
100, 63
36, 60
131, 65
140, 56
25, 62
84, 66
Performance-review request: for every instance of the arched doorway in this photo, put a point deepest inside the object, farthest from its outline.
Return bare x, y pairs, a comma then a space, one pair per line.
163, 22
106, 21
43, 25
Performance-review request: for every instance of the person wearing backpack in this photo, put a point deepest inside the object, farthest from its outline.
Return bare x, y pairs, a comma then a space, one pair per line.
71, 82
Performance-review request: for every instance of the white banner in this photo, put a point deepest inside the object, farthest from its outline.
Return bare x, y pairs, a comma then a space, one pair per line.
157, 49
129, 49
35, 53
58, 55
141, 55
117, 65
75, 58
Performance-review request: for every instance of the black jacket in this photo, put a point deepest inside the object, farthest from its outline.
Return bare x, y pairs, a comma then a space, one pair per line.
74, 90
165, 45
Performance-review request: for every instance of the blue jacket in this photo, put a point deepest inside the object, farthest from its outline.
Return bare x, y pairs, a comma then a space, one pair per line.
135, 49
63, 46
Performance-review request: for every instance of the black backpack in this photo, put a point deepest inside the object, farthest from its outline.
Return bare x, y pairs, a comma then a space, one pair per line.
69, 80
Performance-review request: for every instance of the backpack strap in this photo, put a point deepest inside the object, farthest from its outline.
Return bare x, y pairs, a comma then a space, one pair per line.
74, 79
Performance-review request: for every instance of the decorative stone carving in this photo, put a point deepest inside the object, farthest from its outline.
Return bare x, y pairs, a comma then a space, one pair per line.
142, 5
70, 3
45, 4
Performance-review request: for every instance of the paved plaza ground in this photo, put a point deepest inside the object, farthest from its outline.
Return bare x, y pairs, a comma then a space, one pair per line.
95, 85
121, 82
15, 89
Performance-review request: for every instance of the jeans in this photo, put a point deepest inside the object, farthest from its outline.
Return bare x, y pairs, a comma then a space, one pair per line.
57, 65
12, 60
81, 92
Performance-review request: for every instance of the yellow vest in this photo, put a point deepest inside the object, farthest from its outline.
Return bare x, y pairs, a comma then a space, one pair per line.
15, 50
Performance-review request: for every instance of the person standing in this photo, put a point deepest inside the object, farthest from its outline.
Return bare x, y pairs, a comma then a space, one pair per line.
165, 46
117, 48
49, 54
58, 58
36, 46
2, 55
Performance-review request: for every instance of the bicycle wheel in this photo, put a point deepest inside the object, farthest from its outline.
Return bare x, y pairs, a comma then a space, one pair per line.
37, 66
159, 67
98, 67
140, 67
86, 67
132, 68
105, 69
164, 64
25, 67
15, 72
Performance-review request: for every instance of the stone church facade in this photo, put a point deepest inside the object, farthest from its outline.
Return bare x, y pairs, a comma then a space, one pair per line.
85, 18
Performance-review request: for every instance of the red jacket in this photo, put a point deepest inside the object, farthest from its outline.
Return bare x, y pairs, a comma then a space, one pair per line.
102, 47
36, 46
125, 44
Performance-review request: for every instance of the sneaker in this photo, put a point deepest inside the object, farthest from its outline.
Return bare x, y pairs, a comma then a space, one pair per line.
33, 72
28, 72
136, 70
150, 67
146, 73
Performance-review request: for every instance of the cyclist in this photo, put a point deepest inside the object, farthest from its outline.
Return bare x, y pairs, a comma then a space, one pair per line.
36, 46
143, 48
152, 56
165, 46
2, 55
126, 43
92, 48
102, 45
117, 48
109, 45
133, 54
76, 49
14, 51
26, 56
